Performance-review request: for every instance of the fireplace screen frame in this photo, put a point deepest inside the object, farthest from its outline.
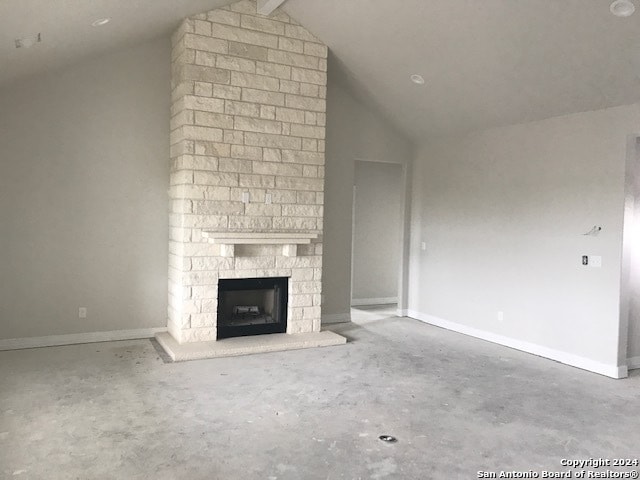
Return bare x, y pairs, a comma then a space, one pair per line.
280, 285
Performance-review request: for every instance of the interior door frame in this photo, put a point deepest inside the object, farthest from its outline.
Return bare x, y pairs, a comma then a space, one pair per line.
405, 218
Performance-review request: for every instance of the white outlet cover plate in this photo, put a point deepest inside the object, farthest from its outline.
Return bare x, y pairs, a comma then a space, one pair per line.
595, 261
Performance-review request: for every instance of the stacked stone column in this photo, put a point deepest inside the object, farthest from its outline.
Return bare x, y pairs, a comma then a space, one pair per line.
248, 117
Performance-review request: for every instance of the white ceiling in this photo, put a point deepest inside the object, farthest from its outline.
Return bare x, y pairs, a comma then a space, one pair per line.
485, 62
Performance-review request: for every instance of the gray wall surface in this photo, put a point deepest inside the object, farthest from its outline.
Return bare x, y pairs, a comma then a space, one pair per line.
503, 214
376, 236
354, 131
83, 196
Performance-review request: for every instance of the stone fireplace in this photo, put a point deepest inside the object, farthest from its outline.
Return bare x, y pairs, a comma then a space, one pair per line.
247, 167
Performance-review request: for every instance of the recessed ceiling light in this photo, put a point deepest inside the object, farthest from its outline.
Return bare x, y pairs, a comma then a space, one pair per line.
100, 22
417, 79
29, 41
622, 8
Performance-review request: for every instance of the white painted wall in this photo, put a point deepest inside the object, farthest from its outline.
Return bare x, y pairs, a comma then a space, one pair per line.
354, 131
83, 196
376, 236
633, 244
502, 213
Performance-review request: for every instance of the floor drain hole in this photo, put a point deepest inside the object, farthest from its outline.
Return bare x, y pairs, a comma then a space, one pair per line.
388, 438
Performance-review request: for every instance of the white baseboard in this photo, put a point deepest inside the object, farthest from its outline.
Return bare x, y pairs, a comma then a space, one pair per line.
613, 371
633, 362
75, 338
361, 302
336, 318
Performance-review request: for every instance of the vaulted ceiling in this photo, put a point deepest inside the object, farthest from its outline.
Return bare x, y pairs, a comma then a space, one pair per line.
485, 63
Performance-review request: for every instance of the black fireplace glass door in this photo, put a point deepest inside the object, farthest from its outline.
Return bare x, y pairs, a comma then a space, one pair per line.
252, 306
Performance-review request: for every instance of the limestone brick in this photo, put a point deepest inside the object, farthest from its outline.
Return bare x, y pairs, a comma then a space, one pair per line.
206, 59
294, 31
235, 63
268, 112
305, 198
315, 49
302, 211
307, 131
309, 90
260, 181
249, 124
245, 263
203, 89
250, 223
224, 17
205, 43
243, 50
226, 91
244, 35
289, 115
242, 108
291, 45
262, 24
295, 223
244, 6
216, 178
218, 120
305, 103
211, 263
283, 196
199, 320
234, 137
205, 292
294, 59
250, 80
212, 150
267, 168
298, 156
289, 86
263, 210
273, 70
271, 155
263, 97
217, 207
248, 153
310, 144
204, 104
308, 76
234, 165
272, 141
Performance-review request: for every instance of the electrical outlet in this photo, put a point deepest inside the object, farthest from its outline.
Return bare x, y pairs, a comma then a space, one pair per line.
423, 246
82, 312
268, 199
585, 260
245, 197
500, 316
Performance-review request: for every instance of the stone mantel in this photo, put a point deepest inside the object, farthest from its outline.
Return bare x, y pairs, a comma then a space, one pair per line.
288, 239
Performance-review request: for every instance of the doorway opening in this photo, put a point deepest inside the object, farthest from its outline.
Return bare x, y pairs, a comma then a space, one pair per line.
377, 233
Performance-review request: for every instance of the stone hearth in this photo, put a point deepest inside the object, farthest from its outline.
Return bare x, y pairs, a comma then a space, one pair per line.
247, 169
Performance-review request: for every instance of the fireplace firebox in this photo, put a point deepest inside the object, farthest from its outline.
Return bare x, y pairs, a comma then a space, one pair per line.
252, 306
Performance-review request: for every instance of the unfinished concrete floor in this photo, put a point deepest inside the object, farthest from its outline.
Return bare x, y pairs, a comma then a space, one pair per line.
456, 404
